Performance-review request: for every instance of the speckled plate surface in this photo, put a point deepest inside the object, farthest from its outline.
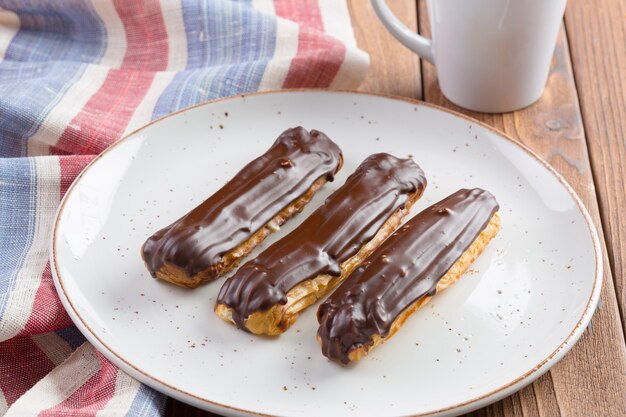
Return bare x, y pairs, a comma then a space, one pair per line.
521, 307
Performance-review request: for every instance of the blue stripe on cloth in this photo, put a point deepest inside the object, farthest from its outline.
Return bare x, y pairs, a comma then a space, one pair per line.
17, 220
46, 56
147, 402
72, 336
227, 53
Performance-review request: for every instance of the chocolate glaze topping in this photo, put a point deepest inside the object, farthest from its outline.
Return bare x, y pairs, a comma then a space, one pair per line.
246, 203
405, 268
349, 218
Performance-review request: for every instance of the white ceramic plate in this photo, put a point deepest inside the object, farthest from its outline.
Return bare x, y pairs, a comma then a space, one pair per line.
524, 304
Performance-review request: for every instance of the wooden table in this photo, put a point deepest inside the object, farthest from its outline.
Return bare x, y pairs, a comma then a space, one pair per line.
579, 126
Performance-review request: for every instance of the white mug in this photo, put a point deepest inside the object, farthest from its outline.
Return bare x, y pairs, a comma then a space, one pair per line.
491, 55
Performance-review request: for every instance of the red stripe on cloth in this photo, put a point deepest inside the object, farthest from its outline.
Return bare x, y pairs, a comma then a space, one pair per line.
319, 56
146, 36
106, 114
317, 61
91, 397
48, 314
22, 365
71, 166
304, 12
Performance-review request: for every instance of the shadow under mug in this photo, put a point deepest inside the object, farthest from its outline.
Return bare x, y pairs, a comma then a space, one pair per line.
492, 56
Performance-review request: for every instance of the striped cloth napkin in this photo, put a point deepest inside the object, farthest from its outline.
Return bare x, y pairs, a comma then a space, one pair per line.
75, 76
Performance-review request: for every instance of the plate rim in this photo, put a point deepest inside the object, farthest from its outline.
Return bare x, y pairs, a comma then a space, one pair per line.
465, 406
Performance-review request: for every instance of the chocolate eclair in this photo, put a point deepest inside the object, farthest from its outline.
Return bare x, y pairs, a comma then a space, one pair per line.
266, 294
423, 257
213, 237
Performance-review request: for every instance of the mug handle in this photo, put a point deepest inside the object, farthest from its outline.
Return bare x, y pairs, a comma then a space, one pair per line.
416, 43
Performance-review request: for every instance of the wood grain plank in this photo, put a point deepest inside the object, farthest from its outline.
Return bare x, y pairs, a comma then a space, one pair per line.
176, 408
546, 400
597, 35
595, 369
394, 70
